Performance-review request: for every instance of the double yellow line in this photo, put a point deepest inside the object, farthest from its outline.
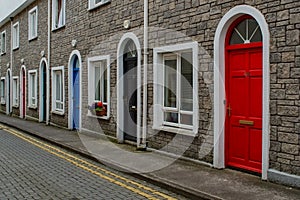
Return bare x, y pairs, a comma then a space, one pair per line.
92, 168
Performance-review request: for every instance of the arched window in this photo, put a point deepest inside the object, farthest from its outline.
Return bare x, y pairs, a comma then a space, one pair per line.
245, 31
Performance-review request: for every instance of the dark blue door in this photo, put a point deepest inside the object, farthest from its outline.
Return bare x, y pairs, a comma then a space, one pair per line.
76, 93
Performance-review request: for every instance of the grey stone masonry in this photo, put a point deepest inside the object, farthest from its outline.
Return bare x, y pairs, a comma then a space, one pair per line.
98, 32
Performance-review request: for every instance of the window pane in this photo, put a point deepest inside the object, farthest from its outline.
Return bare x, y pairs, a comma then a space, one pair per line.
170, 82
97, 83
186, 89
58, 85
105, 86
186, 119
171, 117
33, 85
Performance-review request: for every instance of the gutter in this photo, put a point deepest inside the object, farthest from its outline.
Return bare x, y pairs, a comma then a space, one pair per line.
48, 63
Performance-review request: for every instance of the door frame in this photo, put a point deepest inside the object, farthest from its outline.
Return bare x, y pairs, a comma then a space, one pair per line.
70, 88
44, 60
120, 84
219, 84
22, 115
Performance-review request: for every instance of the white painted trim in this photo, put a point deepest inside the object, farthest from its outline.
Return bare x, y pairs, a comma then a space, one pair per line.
16, 37
219, 84
93, 4
17, 92
120, 109
30, 34
44, 60
30, 105
22, 92
53, 85
70, 88
91, 88
3, 33
158, 91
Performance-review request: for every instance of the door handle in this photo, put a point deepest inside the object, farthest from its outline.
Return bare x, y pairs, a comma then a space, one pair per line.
132, 108
246, 122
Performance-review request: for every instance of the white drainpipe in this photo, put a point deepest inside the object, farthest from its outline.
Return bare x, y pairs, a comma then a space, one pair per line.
48, 70
143, 142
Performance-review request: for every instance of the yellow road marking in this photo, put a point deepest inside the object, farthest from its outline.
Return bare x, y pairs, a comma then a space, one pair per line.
65, 155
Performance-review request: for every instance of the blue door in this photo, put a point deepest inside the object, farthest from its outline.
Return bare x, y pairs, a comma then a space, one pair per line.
76, 93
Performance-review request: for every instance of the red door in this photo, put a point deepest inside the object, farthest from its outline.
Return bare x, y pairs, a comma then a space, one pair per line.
244, 106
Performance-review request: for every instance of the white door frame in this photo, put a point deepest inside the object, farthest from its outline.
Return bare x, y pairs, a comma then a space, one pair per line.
70, 89
120, 82
22, 92
219, 85
44, 60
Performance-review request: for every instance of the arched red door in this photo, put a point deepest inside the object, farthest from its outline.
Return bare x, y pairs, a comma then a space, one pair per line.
243, 137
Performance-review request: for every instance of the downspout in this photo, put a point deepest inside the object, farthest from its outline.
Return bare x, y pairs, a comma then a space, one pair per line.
48, 70
145, 88
11, 66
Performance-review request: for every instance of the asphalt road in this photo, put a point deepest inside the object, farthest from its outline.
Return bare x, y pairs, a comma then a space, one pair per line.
33, 169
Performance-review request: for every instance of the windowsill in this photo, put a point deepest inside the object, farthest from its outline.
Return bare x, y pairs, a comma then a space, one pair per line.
3, 103
15, 48
3, 53
58, 28
32, 38
15, 106
58, 112
98, 117
32, 107
98, 5
175, 130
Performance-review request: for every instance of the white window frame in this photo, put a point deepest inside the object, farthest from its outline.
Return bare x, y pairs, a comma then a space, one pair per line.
54, 101
158, 77
62, 19
32, 95
31, 23
3, 42
91, 83
15, 84
2, 88
16, 35
94, 4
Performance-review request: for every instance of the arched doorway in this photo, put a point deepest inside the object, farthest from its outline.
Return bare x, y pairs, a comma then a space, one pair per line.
130, 91
243, 68
220, 103
129, 88
74, 90
23, 92
43, 90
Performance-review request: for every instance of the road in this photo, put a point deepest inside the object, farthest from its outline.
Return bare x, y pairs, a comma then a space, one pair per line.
34, 169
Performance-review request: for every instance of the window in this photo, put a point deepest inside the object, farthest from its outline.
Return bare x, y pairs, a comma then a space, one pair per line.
176, 88
32, 23
245, 32
2, 90
32, 88
16, 35
3, 42
99, 83
58, 90
58, 13
15, 91
95, 3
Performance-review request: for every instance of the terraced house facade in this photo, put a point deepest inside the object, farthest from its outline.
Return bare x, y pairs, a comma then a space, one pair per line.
215, 81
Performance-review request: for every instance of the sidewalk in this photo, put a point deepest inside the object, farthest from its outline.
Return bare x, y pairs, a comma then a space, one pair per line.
193, 180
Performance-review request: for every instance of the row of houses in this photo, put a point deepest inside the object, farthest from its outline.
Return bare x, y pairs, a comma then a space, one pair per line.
215, 81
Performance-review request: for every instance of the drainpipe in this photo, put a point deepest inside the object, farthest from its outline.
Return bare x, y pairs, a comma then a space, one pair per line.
11, 66
143, 142
48, 70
